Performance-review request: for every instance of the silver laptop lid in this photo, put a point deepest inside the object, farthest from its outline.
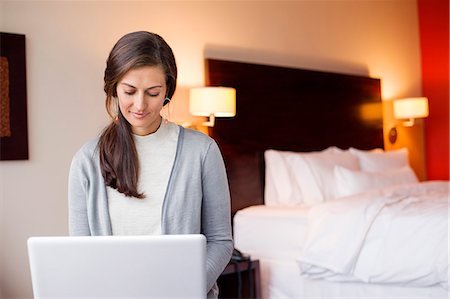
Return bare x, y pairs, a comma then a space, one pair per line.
166, 266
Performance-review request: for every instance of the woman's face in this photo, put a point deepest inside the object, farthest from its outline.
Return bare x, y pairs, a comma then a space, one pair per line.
141, 93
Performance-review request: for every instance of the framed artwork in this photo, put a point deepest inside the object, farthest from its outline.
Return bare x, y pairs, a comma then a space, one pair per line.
13, 98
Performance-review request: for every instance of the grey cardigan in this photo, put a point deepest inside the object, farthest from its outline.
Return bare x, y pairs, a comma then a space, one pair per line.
197, 198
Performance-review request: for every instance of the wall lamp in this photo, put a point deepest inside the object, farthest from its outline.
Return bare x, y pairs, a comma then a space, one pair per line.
408, 110
212, 102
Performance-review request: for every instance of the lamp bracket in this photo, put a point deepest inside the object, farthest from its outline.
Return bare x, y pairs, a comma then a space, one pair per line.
210, 122
408, 123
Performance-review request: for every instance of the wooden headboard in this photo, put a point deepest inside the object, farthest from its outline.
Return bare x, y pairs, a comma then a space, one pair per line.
289, 109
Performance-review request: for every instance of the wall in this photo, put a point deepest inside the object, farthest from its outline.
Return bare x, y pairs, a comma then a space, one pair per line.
434, 42
67, 45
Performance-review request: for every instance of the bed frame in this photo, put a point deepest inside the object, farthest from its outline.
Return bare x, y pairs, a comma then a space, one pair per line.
289, 109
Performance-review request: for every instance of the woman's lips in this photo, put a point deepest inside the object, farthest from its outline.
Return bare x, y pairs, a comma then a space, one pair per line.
139, 115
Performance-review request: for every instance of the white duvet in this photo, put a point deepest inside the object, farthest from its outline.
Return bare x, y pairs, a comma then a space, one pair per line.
397, 235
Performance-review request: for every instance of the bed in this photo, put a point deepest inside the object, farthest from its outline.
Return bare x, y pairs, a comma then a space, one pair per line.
316, 199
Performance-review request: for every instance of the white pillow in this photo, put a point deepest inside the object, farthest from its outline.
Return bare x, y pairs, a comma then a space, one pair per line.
351, 182
280, 185
321, 169
293, 178
380, 161
283, 177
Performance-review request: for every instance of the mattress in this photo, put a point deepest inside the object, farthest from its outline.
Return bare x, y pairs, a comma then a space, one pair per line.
267, 232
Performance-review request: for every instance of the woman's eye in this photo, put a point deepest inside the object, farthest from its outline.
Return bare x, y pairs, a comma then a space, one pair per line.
153, 94
129, 93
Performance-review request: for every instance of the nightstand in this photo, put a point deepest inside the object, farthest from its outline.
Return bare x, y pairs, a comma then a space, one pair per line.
240, 280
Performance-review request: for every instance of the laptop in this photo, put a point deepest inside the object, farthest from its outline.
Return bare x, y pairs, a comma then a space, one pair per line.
163, 266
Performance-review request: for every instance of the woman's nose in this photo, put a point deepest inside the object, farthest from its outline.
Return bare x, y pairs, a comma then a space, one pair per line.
139, 102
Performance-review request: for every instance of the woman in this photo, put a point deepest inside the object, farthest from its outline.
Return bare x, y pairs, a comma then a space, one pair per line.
145, 175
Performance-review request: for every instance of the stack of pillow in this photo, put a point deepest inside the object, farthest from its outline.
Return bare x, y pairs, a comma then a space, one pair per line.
294, 178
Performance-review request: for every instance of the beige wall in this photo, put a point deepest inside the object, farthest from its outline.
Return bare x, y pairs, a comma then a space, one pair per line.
67, 45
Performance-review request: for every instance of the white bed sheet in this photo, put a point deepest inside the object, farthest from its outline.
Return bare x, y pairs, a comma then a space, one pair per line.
275, 234
266, 231
392, 235
281, 279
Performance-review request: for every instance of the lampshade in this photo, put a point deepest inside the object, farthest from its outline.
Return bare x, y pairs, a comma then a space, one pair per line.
411, 108
213, 101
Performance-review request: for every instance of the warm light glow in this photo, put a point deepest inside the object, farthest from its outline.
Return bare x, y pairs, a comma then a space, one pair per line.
216, 101
371, 111
411, 108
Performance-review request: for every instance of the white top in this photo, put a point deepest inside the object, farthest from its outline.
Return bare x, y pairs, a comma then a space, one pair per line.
156, 152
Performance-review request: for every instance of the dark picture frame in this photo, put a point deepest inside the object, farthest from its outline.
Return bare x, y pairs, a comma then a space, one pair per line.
13, 98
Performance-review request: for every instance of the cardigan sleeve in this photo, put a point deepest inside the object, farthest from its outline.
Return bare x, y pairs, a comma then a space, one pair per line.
77, 197
87, 195
216, 214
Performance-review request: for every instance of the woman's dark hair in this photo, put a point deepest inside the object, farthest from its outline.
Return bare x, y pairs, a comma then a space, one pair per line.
119, 161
